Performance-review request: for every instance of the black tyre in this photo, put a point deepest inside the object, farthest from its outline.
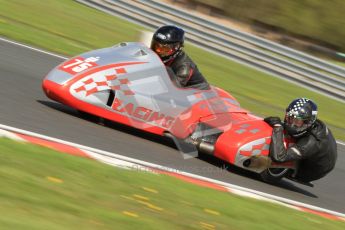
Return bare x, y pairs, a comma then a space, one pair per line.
273, 175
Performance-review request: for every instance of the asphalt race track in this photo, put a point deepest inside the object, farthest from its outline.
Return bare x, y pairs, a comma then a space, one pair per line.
24, 105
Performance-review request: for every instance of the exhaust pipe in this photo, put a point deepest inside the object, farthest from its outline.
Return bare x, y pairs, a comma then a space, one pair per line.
201, 145
247, 163
205, 147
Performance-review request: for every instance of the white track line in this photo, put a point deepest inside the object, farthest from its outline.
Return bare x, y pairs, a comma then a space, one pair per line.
32, 48
341, 143
164, 168
10, 135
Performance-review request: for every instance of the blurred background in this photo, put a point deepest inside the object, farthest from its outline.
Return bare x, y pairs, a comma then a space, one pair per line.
314, 26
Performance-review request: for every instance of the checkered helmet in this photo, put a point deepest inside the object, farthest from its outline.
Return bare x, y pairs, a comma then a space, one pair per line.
300, 116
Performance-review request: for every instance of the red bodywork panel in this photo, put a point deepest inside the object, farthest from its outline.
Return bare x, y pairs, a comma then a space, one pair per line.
61, 94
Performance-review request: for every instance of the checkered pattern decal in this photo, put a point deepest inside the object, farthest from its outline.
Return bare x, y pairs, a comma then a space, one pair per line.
246, 128
299, 104
110, 81
256, 147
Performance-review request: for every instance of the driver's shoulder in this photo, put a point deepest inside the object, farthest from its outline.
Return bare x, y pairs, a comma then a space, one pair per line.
182, 59
319, 129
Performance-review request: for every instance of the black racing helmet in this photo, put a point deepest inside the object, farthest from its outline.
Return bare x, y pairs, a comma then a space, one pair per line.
300, 116
167, 42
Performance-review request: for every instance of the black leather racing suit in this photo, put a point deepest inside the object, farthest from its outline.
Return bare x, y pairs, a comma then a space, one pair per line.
316, 150
187, 73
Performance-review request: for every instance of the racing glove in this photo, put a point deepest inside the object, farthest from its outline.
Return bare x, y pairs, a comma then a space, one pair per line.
273, 121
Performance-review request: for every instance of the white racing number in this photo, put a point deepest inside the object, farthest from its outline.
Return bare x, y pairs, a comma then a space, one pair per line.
79, 64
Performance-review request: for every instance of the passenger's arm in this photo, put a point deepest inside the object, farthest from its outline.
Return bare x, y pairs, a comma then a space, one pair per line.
303, 148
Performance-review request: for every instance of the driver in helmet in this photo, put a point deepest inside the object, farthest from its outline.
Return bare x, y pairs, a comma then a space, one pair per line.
314, 147
167, 43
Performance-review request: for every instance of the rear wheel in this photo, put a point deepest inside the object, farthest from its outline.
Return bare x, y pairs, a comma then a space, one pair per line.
273, 175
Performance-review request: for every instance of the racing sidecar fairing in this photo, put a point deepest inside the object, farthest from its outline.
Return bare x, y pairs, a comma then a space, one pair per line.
129, 84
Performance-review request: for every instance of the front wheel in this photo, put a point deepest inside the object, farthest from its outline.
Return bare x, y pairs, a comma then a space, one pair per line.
273, 175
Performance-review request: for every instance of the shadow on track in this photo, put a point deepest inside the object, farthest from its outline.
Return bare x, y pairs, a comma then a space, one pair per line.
285, 184
220, 164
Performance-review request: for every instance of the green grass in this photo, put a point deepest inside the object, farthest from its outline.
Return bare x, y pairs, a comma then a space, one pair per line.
285, 16
70, 28
340, 63
43, 189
